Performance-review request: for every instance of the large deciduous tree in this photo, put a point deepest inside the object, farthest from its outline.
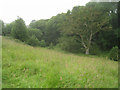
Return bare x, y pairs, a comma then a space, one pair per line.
84, 23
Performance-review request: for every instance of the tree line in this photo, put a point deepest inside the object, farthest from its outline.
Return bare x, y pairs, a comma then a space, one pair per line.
86, 29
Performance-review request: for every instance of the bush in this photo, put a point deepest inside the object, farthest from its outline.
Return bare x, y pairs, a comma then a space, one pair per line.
33, 41
51, 46
42, 43
113, 55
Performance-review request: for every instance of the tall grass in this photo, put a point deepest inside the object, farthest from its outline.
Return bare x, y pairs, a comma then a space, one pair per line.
34, 67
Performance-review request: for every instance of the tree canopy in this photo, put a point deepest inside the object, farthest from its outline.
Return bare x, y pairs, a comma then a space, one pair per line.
19, 30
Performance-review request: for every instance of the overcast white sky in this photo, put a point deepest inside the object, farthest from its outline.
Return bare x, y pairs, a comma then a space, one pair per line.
35, 9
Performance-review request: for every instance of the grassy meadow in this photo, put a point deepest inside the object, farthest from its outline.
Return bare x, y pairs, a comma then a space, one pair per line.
24, 66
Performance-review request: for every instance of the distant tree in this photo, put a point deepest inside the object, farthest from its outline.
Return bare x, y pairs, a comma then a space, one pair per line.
36, 32
50, 28
1, 27
33, 21
41, 25
8, 28
53, 29
19, 30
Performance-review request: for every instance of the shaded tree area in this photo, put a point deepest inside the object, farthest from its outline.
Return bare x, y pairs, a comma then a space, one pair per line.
109, 38
86, 29
118, 33
50, 28
1, 26
53, 29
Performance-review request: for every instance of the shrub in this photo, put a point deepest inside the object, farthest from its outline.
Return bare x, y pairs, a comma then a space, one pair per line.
42, 43
51, 46
33, 41
113, 55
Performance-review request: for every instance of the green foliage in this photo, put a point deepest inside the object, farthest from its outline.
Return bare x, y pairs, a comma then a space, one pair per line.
70, 44
50, 28
94, 49
104, 42
33, 41
40, 24
1, 27
42, 43
36, 32
51, 46
54, 26
84, 22
19, 30
114, 52
7, 29
101, 38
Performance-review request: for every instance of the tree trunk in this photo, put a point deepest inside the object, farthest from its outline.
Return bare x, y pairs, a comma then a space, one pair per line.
87, 51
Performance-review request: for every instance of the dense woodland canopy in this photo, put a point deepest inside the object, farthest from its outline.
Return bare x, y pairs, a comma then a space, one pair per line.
88, 29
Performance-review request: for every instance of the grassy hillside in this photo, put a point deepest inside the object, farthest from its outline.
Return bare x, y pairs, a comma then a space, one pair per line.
29, 67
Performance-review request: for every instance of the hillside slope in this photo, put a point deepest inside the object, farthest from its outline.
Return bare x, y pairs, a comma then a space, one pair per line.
29, 67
